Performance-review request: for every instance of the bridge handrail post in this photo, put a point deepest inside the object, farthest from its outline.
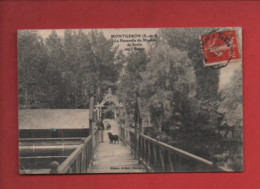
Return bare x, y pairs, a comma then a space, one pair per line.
54, 167
91, 129
138, 126
68, 165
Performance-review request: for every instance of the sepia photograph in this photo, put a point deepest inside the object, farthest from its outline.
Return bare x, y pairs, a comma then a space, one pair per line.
130, 100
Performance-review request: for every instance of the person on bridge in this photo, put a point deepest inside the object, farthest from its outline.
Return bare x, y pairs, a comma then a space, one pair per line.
101, 130
108, 126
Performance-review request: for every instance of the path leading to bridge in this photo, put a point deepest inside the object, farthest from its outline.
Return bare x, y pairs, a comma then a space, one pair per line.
114, 158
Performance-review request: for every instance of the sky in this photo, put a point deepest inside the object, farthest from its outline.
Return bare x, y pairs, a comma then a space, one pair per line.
108, 33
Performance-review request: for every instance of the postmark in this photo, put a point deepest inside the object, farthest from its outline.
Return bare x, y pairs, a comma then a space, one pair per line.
219, 48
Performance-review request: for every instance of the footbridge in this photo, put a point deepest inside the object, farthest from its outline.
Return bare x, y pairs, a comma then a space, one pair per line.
135, 152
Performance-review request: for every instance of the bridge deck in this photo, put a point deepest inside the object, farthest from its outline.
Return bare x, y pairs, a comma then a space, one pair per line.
114, 158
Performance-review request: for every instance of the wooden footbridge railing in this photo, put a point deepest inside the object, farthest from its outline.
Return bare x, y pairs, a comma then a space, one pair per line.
80, 160
156, 156
160, 157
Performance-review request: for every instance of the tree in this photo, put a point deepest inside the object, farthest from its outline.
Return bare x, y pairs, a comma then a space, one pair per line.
169, 83
105, 72
188, 40
199, 111
231, 100
55, 72
230, 106
131, 79
63, 71
31, 68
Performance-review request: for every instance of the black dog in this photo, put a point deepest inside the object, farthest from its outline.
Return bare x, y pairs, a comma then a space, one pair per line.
112, 138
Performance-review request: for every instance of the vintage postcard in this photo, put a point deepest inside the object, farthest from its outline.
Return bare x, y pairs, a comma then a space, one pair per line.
130, 100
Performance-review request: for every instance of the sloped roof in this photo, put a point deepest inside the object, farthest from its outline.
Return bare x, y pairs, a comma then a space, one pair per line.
53, 118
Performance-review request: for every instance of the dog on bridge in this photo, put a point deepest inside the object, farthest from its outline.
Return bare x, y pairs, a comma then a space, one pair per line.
113, 138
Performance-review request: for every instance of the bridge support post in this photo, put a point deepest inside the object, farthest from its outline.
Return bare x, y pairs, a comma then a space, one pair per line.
138, 126
140, 131
91, 128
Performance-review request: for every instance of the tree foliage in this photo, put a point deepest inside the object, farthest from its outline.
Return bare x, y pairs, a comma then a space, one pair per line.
63, 71
169, 77
189, 41
181, 95
231, 100
131, 79
32, 64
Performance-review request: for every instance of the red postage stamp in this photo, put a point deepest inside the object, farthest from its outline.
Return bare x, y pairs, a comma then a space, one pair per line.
220, 47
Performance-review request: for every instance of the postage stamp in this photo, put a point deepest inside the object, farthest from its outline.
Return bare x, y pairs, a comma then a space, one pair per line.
219, 47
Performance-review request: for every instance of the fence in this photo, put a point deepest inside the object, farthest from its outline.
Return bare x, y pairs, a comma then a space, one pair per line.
160, 157
80, 159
